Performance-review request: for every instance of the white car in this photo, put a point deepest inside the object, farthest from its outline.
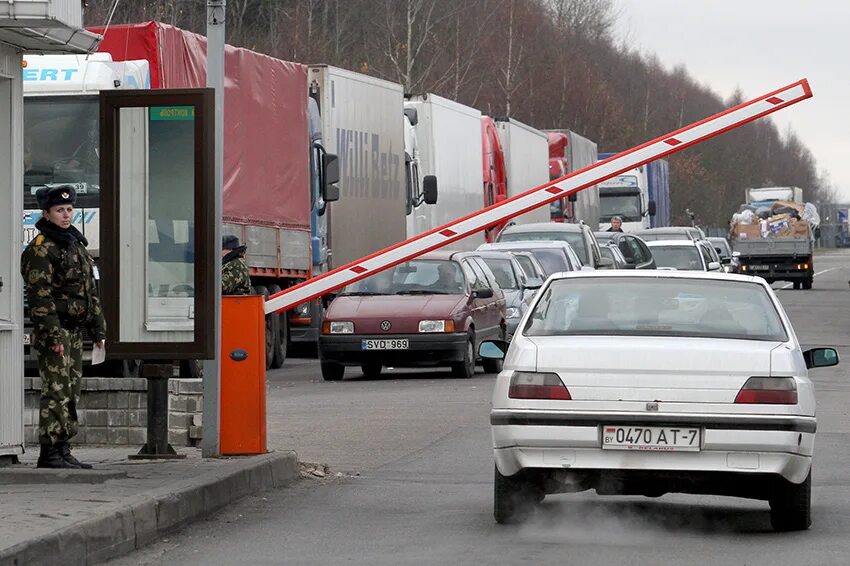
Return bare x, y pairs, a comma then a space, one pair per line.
654, 382
686, 255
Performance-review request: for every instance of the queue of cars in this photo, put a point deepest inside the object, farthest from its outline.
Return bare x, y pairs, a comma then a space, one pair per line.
629, 364
436, 310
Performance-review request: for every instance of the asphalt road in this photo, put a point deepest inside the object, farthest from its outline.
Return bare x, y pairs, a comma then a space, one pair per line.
411, 480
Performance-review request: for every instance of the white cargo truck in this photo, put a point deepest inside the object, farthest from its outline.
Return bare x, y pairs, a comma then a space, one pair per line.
362, 122
527, 161
445, 143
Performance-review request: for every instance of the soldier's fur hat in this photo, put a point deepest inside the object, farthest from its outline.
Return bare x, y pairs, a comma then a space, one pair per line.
54, 196
229, 242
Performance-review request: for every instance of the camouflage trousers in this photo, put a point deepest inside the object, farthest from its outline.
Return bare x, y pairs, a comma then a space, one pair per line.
61, 378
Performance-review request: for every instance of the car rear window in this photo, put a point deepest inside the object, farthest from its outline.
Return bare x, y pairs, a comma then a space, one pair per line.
685, 258
504, 272
575, 239
526, 265
656, 307
553, 261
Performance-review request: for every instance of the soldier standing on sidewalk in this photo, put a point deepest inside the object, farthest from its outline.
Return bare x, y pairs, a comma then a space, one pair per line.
59, 278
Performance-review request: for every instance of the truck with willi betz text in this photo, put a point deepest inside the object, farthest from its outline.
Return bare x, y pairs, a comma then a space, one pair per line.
362, 122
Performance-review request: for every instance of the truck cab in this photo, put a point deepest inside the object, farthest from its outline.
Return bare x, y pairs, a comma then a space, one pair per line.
495, 173
62, 129
627, 196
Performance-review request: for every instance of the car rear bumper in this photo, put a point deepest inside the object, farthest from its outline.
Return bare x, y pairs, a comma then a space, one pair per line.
780, 446
424, 349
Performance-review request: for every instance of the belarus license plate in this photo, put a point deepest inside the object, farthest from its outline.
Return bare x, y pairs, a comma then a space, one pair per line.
760, 268
27, 340
388, 344
651, 438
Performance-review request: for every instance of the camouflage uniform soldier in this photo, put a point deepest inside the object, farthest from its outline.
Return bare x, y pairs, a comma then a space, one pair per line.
234, 269
58, 274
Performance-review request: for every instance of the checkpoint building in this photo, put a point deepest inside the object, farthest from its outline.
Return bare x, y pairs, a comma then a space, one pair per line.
33, 26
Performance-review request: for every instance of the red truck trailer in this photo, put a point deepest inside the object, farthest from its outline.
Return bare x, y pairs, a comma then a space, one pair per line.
267, 150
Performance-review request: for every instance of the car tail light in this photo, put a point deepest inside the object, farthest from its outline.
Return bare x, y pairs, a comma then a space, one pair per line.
768, 391
534, 385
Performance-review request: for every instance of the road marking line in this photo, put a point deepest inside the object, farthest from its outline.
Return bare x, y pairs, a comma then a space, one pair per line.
787, 285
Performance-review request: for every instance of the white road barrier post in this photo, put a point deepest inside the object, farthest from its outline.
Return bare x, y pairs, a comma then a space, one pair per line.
540, 196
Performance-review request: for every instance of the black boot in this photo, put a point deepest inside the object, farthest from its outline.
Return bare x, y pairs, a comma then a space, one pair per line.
65, 450
50, 457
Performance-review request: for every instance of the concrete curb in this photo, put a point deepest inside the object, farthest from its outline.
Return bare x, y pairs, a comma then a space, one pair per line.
141, 520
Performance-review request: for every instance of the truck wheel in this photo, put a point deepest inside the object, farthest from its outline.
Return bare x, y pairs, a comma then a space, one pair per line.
466, 368
279, 354
798, 284
807, 284
791, 505
272, 332
332, 371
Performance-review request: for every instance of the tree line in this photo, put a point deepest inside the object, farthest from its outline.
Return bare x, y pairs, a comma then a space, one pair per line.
549, 63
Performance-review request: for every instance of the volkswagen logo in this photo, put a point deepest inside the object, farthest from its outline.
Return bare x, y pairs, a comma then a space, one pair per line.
385, 325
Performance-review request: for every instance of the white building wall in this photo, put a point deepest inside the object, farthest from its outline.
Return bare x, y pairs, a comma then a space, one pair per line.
11, 301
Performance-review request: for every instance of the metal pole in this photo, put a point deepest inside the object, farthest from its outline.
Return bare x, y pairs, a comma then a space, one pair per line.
216, 10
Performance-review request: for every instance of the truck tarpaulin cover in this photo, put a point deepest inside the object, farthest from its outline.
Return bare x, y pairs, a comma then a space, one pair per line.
266, 145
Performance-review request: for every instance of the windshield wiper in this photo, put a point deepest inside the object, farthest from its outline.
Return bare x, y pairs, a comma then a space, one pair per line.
421, 292
359, 294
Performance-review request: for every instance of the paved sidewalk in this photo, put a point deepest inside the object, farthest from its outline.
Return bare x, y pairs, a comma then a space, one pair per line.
88, 516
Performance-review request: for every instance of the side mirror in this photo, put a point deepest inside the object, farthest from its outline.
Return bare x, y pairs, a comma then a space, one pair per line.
714, 266
630, 265
651, 208
429, 189
485, 293
725, 260
330, 175
533, 283
493, 350
606, 262
821, 358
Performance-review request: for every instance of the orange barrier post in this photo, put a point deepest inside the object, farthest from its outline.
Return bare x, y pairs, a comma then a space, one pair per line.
243, 375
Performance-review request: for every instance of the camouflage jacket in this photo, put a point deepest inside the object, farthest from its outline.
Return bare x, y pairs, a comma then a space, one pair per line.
59, 279
234, 273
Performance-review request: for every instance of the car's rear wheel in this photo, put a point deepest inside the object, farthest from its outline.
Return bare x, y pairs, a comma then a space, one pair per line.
332, 371
514, 498
371, 371
791, 505
466, 368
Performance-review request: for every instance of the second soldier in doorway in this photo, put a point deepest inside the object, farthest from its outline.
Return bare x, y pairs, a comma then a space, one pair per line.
234, 269
59, 277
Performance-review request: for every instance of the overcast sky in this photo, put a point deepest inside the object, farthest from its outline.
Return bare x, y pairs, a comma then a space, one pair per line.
759, 46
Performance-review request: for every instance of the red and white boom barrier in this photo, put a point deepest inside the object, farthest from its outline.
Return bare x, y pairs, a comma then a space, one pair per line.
542, 195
